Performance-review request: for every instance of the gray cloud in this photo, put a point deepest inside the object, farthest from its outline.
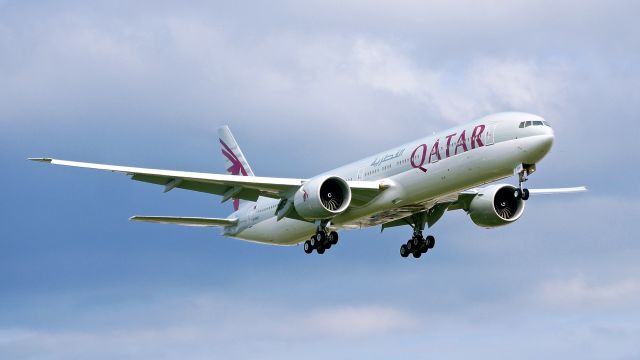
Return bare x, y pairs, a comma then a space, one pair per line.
148, 83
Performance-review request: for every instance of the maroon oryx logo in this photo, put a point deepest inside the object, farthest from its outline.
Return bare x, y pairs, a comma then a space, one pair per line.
236, 167
305, 195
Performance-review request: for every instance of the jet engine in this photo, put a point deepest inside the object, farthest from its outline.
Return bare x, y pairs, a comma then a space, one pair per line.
322, 198
496, 205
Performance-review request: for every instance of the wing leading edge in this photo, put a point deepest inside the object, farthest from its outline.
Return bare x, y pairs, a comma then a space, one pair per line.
434, 213
186, 221
227, 186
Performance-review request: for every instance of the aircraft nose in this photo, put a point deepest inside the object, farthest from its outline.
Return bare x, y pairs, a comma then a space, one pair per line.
543, 133
546, 142
541, 139
538, 147
543, 144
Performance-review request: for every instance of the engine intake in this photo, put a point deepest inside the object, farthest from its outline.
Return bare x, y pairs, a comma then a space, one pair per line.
322, 198
496, 205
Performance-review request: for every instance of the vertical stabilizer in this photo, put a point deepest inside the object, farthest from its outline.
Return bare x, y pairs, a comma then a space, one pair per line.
235, 161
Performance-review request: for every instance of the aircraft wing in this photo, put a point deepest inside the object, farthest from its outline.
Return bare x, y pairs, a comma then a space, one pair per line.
228, 186
186, 221
465, 197
557, 190
461, 202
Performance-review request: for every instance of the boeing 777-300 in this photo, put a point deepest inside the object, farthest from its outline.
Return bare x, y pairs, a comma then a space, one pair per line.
413, 184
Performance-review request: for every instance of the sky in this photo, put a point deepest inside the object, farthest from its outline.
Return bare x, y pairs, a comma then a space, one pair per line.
306, 87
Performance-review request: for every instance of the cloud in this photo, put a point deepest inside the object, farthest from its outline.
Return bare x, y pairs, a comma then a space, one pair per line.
483, 86
301, 78
359, 321
305, 86
200, 326
577, 291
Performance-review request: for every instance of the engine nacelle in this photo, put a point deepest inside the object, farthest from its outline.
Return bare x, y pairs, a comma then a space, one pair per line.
322, 198
496, 205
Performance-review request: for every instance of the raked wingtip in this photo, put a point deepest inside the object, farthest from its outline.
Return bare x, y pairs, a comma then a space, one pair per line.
41, 159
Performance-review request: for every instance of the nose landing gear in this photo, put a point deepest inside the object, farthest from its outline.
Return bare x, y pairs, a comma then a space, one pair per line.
523, 172
522, 194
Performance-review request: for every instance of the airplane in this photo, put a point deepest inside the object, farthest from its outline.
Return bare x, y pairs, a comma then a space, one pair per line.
413, 185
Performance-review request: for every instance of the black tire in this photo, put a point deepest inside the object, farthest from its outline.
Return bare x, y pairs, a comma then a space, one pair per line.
320, 250
416, 241
525, 194
334, 237
327, 246
417, 254
403, 251
518, 194
321, 236
307, 247
424, 247
314, 242
431, 241
409, 246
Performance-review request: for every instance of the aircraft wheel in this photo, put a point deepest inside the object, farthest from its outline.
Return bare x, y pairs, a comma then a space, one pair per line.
518, 194
321, 236
334, 237
320, 250
417, 254
403, 251
307, 247
416, 241
431, 241
409, 246
424, 247
314, 242
327, 245
525, 194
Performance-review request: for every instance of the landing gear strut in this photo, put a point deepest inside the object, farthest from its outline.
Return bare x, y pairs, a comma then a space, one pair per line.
523, 173
321, 241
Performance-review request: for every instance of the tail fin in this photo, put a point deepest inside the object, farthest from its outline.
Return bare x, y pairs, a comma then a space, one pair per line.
234, 158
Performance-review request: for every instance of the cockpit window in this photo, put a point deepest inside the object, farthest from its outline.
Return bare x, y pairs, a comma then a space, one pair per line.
525, 124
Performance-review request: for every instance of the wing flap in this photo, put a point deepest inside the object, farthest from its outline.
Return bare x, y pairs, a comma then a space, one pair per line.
186, 221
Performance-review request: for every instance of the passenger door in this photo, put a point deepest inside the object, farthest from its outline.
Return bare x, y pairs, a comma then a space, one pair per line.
489, 135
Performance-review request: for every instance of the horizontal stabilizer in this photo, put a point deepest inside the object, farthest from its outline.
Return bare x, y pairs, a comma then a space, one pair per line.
186, 221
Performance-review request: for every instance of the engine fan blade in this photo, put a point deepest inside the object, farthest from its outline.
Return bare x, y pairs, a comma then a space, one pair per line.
504, 210
331, 202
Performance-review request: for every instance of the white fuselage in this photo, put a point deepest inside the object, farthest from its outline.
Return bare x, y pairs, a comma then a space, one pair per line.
419, 174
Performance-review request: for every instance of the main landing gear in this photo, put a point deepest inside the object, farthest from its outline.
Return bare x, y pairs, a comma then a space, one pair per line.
417, 245
321, 241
